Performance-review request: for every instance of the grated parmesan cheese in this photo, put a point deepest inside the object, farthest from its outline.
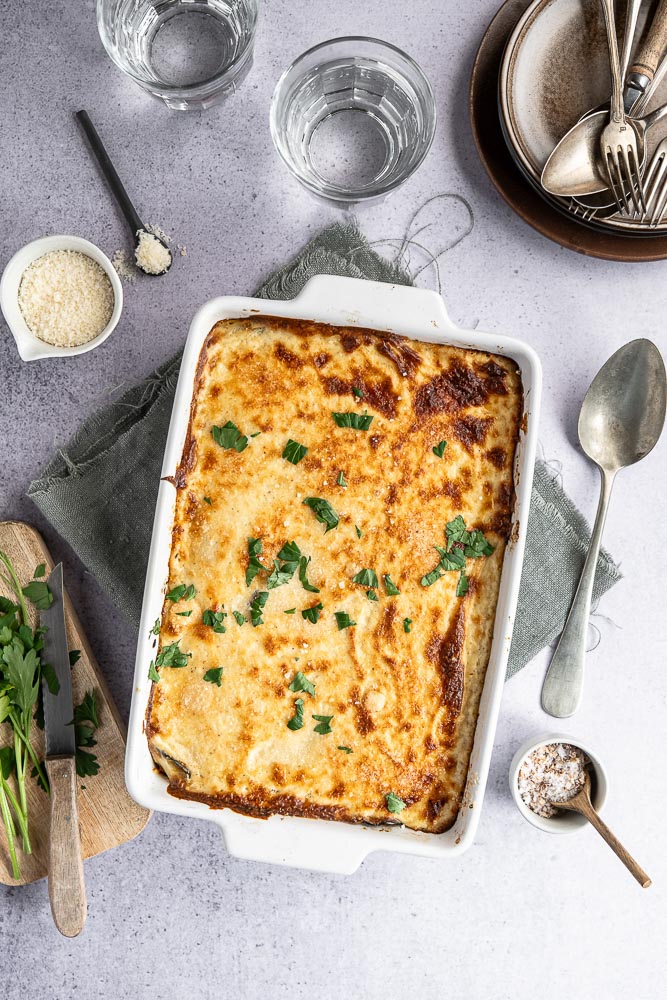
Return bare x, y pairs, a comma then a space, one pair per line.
66, 298
151, 255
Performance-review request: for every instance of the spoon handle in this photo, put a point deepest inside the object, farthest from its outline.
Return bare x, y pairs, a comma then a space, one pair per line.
109, 171
564, 682
615, 844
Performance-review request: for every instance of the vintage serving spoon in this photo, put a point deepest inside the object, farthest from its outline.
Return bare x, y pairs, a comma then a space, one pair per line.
620, 422
581, 803
139, 230
575, 167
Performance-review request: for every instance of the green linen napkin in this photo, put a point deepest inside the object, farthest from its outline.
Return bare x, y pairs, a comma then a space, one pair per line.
100, 491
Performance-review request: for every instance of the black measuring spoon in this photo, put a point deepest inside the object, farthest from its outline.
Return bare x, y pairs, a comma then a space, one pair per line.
140, 233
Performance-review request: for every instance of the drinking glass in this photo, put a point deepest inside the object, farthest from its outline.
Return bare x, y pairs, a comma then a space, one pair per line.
353, 118
189, 53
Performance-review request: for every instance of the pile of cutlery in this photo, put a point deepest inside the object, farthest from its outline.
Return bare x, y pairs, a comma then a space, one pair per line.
601, 167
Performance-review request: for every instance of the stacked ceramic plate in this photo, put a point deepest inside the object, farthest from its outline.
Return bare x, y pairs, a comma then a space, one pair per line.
554, 69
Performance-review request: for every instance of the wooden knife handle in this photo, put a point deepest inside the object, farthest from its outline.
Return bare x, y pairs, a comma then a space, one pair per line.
67, 890
653, 45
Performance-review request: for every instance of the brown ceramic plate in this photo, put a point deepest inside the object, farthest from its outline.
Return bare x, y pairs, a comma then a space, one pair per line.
508, 179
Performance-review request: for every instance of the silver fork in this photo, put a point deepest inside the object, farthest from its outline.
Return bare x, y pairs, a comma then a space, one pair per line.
655, 186
618, 142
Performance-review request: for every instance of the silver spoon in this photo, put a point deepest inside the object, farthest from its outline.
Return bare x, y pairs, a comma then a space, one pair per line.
620, 422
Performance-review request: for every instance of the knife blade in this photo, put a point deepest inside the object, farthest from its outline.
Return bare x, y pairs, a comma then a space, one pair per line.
67, 889
58, 708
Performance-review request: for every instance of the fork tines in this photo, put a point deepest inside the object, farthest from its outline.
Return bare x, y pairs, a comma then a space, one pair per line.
625, 179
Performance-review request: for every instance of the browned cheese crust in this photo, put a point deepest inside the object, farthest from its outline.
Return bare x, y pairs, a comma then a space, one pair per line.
405, 703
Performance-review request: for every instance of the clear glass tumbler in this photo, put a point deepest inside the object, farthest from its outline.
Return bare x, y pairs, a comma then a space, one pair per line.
353, 118
189, 53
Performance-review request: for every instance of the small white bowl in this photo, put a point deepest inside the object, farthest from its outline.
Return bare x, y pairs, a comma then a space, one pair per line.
565, 821
29, 346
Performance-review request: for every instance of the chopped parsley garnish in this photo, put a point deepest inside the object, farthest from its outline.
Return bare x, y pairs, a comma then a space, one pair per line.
39, 571
208, 501
281, 574
475, 543
461, 545
303, 577
390, 586
343, 620
358, 531
153, 675
294, 451
323, 511
156, 628
214, 676
215, 619
240, 619
301, 683
345, 749
181, 593
366, 577
171, 656
407, 624
312, 614
296, 722
372, 595
257, 606
359, 394
359, 421
74, 656
394, 803
184, 614
290, 552
290, 611
230, 436
323, 727
254, 565
439, 449
341, 479
284, 567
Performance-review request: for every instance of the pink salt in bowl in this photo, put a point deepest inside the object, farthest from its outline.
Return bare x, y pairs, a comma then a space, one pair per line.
564, 821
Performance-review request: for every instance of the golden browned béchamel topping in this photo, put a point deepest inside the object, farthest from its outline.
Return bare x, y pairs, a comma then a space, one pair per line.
401, 685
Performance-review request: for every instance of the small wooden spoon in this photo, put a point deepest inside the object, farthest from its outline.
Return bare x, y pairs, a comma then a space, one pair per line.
581, 803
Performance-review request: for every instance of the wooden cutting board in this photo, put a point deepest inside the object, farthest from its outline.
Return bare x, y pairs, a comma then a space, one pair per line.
107, 815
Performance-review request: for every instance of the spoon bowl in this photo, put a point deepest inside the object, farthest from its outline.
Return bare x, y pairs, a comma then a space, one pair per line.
623, 412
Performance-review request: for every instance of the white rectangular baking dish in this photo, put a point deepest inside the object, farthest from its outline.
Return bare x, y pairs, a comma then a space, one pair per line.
316, 844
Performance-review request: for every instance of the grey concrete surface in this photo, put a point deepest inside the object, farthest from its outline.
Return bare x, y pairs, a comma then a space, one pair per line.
171, 915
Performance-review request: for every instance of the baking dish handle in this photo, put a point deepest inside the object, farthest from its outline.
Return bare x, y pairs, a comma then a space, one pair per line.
295, 843
375, 304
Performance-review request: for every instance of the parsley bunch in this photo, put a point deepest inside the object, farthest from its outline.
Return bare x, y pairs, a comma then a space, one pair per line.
21, 675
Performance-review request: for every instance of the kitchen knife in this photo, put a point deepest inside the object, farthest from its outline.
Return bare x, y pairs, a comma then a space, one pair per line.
67, 890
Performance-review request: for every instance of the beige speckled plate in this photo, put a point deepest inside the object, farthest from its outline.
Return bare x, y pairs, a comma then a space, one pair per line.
554, 69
